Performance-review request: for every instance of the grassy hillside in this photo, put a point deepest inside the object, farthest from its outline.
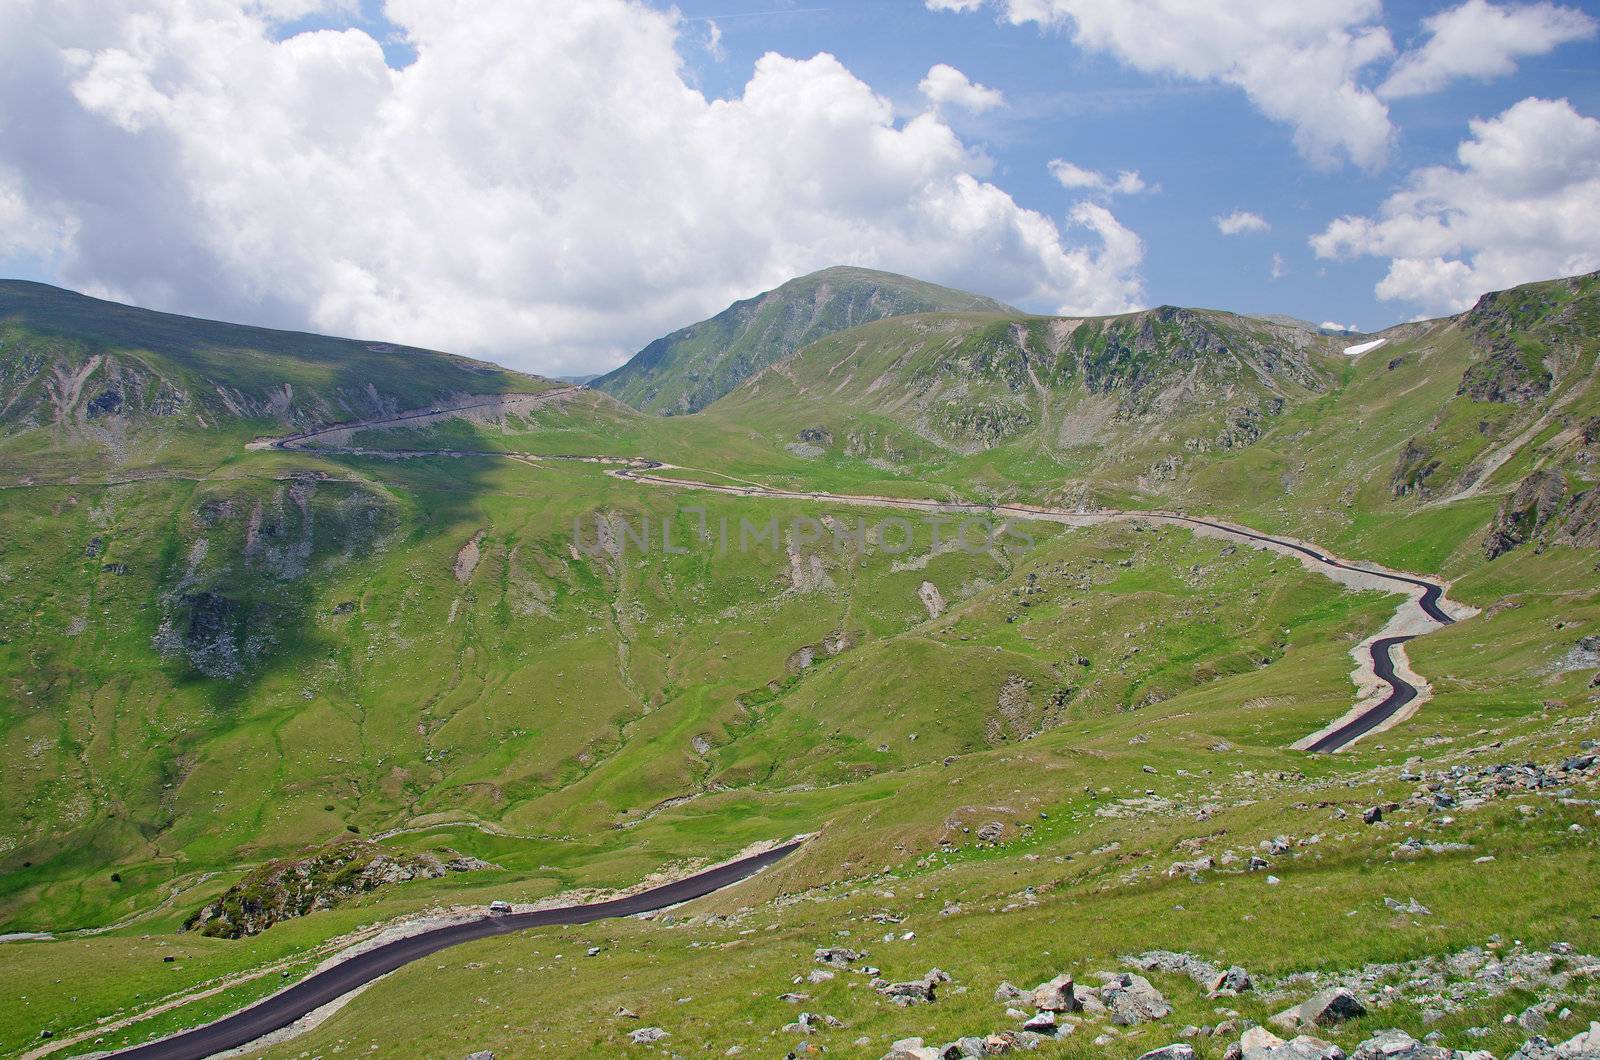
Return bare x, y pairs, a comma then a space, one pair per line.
692, 367
212, 658
84, 380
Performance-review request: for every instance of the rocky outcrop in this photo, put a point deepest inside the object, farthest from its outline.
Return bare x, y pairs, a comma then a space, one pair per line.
1526, 513
1131, 1000
293, 887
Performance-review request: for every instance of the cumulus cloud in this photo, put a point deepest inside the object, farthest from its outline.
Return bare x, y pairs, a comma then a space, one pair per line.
1241, 221
1278, 268
1298, 63
1523, 204
552, 204
1483, 40
1075, 178
946, 84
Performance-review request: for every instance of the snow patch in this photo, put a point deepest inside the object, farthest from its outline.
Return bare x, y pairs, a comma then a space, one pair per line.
1362, 347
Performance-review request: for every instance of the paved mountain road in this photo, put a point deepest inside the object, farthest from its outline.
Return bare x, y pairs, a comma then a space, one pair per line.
311, 993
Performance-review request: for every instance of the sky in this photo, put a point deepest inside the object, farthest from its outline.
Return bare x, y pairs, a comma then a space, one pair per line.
551, 185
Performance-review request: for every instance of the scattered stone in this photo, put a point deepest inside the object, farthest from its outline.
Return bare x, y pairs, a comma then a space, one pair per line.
837, 956
646, 1035
1322, 1009
1372, 815
917, 992
991, 832
1007, 993
1056, 995
1131, 1000
1413, 907
482, 1054
1178, 1051
911, 1049
1041, 1023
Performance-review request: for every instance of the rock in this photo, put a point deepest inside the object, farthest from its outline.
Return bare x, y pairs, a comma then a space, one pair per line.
963, 1049
911, 1049
625, 1013
1372, 815
1179, 1051
1056, 995
1007, 993
837, 956
1235, 980
917, 992
1041, 1023
1301, 1047
646, 1035
818, 975
1323, 1009
991, 832
1257, 1038
1398, 1045
291, 887
1131, 999
1413, 907
482, 1054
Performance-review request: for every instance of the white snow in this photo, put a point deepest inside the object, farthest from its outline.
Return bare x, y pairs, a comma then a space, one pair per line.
1362, 347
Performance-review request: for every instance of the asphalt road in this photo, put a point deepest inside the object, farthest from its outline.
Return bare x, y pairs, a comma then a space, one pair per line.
280, 1010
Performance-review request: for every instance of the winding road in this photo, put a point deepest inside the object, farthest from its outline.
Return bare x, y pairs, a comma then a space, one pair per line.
311, 993
316, 990
1426, 595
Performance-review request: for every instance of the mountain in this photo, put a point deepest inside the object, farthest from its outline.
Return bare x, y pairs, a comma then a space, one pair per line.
692, 367
1128, 390
85, 375
427, 662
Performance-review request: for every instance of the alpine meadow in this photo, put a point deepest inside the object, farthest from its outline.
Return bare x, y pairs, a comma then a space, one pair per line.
873, 668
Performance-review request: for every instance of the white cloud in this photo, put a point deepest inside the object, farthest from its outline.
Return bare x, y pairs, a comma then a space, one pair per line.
1299, 63
1074, 177
1483, 40
1278, 268
953, 5
553, 202
946, 84
1329, 325
1241, 221
1524, 204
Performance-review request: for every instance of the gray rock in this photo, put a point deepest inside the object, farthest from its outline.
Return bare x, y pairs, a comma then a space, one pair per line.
917, 992
837, 956
1323, 1009
1041, 1023
1056, 995
1178, 1051
1235, 979
911, 1049
646, 1035
991, 832
1131, 1000
481, 1054
1372, 814
1398, 1045
1007, 993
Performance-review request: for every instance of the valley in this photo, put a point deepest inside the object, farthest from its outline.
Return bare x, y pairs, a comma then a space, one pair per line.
237, 627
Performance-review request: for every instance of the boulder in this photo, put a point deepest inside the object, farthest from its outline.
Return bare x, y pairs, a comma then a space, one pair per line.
1235, 980
481, 1054
1398, 1045
1007, 993
917, 992
1042, 1023
1179, 1051
837, 956
1323, 1009
1131, 999
646, 1035
966, 1048
1056, 995
911, 1049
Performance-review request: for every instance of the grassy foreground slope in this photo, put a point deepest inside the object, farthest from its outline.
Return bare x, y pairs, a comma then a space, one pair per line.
692, 367
241, 654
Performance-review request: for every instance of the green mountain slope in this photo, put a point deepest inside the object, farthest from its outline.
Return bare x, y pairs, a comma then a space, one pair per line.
1115, 396
692, 367
214, 657
85, 378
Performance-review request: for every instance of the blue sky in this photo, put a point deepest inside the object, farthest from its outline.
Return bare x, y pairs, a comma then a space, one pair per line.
551, 185
1203, 144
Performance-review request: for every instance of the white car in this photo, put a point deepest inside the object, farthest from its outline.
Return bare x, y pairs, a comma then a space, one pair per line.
498, 906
